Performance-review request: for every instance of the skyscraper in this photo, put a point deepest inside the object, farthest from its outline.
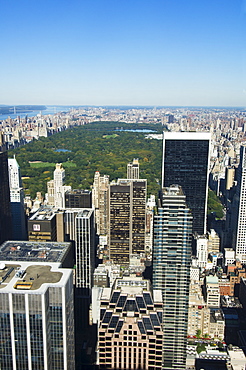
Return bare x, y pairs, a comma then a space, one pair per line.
171, 271
17, 201
100, 201
239, 216
36, 307
133, 170
5, 210
127, 219
85, 248
78, 198
85, 264
56, 188
186, 163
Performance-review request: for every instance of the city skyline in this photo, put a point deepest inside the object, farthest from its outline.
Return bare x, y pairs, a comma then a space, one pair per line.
107, 53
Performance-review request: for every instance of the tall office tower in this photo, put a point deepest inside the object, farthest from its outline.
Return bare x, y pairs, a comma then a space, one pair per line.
100, 201
42, 225
230, 176
78, 199
85, 249
239, 217
36, 307
130, 326
85, 264
56, 188
5, 210
14, 173
133, 170
127, 219
171, 272
2, 142
50, 193
186, 163
70, 223
17, 201
150, 206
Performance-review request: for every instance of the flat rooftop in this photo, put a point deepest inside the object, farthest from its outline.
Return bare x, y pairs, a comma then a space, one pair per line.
172, 190
78, 191
33, 251
30, 278
85, 212
44, 213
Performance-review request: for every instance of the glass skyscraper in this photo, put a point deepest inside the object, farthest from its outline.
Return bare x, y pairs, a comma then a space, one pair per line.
5, 210
239, 216
171, 272
186, 163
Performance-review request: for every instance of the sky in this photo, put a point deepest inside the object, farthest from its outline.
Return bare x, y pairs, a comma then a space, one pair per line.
123, 52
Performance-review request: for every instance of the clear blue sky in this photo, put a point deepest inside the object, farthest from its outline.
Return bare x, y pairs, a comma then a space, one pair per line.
123, 52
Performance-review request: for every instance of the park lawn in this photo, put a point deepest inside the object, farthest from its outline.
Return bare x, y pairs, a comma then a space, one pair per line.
53, 165
110, 136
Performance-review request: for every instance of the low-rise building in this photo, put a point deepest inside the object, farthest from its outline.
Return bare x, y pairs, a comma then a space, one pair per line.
217, 324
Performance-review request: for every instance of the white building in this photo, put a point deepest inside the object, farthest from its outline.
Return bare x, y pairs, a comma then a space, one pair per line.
202, 251
14, 173
17, 200
56, 188
212, 291
133, 170
229, 256
36, 308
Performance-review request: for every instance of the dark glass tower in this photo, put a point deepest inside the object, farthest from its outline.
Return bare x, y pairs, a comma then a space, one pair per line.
5, 210
186, 163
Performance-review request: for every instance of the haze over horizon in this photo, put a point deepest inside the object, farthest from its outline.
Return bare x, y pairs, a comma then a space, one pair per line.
107, 53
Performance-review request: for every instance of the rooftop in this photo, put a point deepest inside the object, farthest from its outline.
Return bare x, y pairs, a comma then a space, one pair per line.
33, 251
78, 191
43, 213
188, 135
25, 276
172, 190
212, 279
84, 212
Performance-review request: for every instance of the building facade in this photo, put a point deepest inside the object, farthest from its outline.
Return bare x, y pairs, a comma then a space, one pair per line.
133, 170
85, 248
127, 219
186, 163
36, 307
42, 225
171, 272
56, 188
130, 326
5, 210
100, 201
239, 218
78, 199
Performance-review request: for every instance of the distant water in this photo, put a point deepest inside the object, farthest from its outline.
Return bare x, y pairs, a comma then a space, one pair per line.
62, 150
49, 110
137, 130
